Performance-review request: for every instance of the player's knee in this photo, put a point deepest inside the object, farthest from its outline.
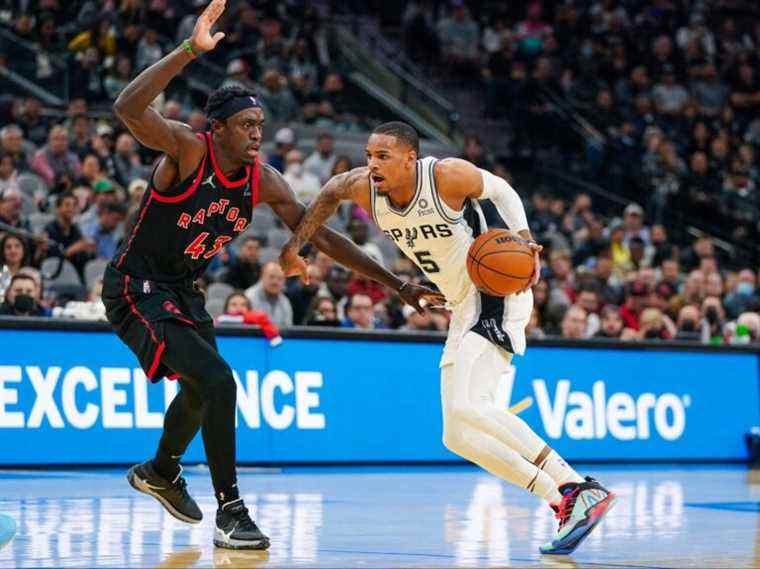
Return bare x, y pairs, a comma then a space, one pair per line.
452, 441
192, 397
453, 430
221, 384
227, 386
456, 441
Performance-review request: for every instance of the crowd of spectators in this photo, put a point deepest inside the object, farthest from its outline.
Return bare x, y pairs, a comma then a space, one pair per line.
279, 49
77, 180
623, 278
665, 93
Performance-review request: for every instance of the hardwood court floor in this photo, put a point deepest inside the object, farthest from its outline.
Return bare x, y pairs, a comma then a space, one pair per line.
385, 517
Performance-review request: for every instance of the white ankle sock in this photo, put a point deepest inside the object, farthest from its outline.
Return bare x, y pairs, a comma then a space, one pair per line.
544, 487
558, 470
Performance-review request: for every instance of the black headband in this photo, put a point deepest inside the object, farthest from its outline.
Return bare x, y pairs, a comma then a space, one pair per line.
234, 106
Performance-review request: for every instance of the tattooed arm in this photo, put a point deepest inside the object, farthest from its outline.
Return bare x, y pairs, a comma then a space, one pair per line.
353, 186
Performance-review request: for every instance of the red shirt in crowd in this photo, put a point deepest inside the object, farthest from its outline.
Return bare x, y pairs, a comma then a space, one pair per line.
372, 289
630, 318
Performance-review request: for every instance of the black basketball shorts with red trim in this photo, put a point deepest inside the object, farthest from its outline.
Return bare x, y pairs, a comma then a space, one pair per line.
139, 309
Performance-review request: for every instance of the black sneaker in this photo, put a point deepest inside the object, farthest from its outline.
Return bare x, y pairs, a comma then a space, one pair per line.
236, 530
172, 494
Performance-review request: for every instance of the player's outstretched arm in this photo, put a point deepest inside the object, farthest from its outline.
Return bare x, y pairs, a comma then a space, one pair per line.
459, 180
307, 225
351, 186
133, 104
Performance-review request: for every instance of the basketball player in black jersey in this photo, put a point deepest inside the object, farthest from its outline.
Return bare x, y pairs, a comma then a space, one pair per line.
201, 196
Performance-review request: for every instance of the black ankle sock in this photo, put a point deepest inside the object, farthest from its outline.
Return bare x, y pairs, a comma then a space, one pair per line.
227, 495
166, 465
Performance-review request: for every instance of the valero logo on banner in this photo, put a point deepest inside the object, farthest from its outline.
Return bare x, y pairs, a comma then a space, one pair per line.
118, 398
592, 416
579, 415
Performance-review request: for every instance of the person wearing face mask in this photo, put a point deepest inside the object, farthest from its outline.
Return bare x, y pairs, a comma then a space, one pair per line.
713, 317
743, 298
304, 183
22, 298
688, 324
655, 325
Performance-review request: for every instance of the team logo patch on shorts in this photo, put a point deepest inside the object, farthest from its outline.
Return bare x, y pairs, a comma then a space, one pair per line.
493, 328
490, 322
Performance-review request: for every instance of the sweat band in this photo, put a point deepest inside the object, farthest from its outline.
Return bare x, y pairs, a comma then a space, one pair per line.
234, 106
189, 48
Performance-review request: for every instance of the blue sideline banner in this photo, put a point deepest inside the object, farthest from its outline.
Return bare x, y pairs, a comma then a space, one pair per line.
80, 397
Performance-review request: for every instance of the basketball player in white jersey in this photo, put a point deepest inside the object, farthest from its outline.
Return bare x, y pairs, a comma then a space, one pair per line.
430, 209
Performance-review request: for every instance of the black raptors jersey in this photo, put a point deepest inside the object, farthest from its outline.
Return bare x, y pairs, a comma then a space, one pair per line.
176, 233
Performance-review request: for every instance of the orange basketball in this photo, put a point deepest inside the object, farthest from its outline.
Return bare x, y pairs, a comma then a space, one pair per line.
499, 262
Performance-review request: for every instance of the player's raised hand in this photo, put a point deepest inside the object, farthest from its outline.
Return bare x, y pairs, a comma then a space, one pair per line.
293, 264
536, 276
201, 39
413, 295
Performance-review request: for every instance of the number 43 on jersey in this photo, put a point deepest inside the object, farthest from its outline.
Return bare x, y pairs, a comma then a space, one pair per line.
198, 246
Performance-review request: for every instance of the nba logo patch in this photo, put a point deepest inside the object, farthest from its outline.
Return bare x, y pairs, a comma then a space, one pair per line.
146, 287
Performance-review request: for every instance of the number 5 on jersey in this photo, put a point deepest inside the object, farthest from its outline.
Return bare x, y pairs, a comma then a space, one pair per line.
198, 246
428, 265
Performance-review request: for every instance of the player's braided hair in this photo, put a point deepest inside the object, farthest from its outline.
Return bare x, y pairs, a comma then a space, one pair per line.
404, 132
223, 94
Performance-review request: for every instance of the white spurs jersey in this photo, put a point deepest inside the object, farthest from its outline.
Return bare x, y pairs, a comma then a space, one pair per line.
434, 237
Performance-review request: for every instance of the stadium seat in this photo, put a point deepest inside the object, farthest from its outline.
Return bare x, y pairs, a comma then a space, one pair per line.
215, 306
388, 249
38, 220
267, 254
262, 220
30, 184
66, 286
276, 238
93, 271
28, 206
219, 290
